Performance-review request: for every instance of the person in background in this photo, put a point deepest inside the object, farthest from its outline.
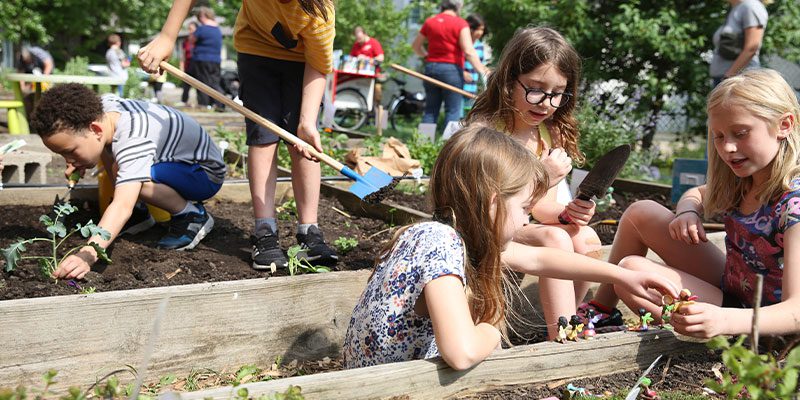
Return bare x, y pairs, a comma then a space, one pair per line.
207, 56
117, 61
34, 60
477, 29
738, 41
449, 41
285, 50
369, 48
188, 48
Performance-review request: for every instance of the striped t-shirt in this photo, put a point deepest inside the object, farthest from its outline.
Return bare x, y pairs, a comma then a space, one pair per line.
148, 134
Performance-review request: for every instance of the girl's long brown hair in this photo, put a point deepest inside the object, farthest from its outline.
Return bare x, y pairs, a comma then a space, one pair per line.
528, 49
476, 164
316, 8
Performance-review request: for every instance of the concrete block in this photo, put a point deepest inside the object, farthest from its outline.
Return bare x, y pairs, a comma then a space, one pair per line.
26, 167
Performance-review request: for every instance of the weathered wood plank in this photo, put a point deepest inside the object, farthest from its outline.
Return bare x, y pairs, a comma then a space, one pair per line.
215, 325
43, 196
433, 379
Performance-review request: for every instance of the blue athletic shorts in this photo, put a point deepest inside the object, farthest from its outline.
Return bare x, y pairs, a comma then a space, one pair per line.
189, 180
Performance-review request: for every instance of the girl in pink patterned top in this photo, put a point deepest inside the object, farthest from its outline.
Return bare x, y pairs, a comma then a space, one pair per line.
754, 181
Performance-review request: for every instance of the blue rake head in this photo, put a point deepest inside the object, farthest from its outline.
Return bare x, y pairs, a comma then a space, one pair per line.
373, 181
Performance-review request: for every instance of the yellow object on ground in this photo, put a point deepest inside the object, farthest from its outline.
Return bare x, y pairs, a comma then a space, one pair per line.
105, 190
17, 123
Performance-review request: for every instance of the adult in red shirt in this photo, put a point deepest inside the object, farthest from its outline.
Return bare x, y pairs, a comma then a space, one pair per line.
448, 41
370, 48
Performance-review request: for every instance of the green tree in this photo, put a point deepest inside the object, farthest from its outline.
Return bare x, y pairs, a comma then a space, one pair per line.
654, 47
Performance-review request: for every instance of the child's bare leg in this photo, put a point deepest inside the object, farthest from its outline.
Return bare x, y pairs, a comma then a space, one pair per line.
645, 225
556, 295
707, 292
584, 241
262, 172
306, 186
162, 196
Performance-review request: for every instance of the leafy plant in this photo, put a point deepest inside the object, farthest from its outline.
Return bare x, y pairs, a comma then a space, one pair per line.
237, 144
759, 375
287, 209
301, 265
58, 232
345, 244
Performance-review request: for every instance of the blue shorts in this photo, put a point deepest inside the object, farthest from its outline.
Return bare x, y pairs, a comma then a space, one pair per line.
189, 180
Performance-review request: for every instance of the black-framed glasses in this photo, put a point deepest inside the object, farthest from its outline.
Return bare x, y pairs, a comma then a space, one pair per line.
536, 96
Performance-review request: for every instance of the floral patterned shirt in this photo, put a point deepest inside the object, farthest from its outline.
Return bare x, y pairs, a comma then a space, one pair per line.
754, 245
384, 327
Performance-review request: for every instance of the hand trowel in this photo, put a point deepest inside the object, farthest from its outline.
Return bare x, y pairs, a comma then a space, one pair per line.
600, 178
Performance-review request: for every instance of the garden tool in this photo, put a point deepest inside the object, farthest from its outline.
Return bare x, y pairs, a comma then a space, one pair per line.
598, 180
434, 81
72, 180
634, 393
371, 187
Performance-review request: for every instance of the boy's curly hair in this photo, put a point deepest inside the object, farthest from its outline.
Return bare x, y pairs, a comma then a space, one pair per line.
69, 106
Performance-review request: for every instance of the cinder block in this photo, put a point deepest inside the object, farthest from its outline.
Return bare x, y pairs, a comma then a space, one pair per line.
25, 167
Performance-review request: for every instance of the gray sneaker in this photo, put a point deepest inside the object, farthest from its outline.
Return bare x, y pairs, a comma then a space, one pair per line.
267, 253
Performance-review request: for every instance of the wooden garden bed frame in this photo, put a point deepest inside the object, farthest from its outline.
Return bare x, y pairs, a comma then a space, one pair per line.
433, 379
225, 325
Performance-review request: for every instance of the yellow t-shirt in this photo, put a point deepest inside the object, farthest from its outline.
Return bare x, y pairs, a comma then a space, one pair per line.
274, 29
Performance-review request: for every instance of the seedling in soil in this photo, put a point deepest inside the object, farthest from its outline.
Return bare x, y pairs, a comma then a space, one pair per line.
753, 375
287, 210
345, 244
301, 265
58, 235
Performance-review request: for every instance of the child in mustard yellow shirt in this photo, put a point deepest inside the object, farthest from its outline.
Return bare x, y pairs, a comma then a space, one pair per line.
284, 52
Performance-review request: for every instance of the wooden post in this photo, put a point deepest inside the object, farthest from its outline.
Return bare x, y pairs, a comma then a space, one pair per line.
379, 120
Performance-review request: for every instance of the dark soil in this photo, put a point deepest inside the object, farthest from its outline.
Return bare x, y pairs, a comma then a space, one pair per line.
685, 373
223, 255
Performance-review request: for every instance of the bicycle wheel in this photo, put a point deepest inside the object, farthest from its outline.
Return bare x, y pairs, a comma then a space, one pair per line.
351, 109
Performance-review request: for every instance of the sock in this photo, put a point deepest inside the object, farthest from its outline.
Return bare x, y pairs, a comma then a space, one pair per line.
302, 229
263, 223
600, 307
190, 207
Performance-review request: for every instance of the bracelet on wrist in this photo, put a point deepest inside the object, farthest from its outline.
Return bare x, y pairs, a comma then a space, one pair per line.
688, 211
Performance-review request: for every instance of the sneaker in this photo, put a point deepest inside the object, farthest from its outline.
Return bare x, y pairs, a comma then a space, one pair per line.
604, 322
314, 248
140, 220
267, 253
187, 230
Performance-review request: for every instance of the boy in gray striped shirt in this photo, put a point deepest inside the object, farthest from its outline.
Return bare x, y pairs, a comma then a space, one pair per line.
159, 155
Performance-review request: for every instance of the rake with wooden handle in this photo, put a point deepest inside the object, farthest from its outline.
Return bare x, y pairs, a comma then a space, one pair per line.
372, 187
436, 82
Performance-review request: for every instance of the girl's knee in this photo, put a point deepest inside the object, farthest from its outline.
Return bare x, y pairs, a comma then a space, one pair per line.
586, 242
634, 263
643, 210
556, 238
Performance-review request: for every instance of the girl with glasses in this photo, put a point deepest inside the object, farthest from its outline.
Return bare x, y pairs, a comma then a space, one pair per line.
531, 96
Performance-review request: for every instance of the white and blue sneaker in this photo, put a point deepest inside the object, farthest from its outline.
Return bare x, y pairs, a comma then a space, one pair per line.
185, 231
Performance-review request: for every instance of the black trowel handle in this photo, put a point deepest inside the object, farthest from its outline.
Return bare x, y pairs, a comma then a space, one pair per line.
564, 218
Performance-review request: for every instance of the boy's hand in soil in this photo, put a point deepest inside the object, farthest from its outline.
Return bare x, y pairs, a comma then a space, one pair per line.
77, 265
557, 164
639, 284
688, 228
702, 320
580, 211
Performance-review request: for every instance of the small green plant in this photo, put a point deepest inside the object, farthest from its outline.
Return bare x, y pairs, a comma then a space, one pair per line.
58, 232
286, 210
605, 202
301, 265
235, 142
760, 376
345, 244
